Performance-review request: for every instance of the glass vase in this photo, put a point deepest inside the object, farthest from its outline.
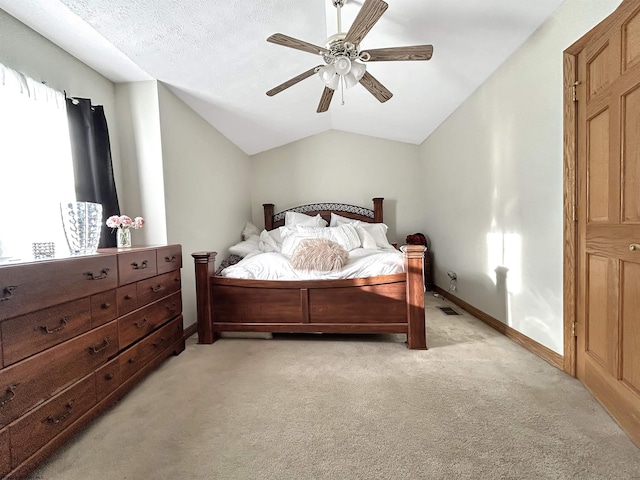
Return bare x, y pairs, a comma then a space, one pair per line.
123, 237
82, 222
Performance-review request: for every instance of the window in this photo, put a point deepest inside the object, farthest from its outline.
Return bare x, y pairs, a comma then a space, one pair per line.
36, 170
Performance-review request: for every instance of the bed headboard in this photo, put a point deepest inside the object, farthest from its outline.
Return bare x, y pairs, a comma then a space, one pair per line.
274, 220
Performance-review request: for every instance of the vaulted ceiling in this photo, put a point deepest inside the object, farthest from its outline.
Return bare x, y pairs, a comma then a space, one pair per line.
213, 54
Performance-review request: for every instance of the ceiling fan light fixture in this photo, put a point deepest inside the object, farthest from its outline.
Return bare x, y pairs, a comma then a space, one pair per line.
342, 65
329, 76
355, 74
358, 70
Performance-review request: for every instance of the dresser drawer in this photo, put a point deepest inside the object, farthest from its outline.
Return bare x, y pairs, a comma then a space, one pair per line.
137, 265
29, 382
107, 379
104, 308
155, 288
169, 258
5, 452
130, 362
127, 299
49, 419
28, 334
30, 287
159, 341
136, 325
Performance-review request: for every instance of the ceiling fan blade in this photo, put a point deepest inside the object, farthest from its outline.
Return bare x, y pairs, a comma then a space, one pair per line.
286, 41
417, 52
367, 17
325, 100
293, 81
376, 89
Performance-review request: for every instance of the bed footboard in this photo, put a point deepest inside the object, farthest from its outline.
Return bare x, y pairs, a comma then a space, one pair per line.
385, 304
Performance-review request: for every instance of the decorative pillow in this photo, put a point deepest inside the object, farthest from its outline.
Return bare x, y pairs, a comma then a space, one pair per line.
319, 254
294, 218
245, 247
340, 220
249, 230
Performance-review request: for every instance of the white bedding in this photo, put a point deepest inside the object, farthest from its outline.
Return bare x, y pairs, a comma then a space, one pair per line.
277, 266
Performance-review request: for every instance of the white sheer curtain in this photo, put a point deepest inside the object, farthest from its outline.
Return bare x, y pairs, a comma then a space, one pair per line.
36, 170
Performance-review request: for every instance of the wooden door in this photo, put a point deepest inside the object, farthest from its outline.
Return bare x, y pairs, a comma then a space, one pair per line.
608, 172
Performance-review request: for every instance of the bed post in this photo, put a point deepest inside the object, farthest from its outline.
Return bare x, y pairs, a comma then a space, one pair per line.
268, 215
377, 210
205, 268
416, 331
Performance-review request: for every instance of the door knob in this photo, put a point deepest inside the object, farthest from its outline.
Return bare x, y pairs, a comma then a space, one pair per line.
634, 246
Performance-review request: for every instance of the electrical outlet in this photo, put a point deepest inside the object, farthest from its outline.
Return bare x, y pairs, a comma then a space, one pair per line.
453, 276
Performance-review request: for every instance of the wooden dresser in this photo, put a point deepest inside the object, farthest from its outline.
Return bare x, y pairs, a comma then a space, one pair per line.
76, 335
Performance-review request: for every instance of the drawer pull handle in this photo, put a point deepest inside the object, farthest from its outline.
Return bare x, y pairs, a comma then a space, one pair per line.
172, 307
170, 259
634, 246
128, 297
131, 360
9, 395
6, 294
103, 274
157, 288
63, 416
140, 266
46, 330
93, 349
104, 306
108, 376
140, 324
158, 343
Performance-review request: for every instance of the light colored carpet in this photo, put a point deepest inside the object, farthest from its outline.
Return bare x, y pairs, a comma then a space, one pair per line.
474, 406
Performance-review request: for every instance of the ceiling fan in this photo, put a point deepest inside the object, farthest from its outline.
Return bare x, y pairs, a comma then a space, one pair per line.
343, 59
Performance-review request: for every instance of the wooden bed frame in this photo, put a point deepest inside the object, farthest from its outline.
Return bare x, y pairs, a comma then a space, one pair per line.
374, 305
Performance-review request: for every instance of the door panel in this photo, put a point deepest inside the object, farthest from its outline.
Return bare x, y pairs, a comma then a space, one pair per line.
630, 326
599, 71
600, 346
630, 156
631, 40
598, 167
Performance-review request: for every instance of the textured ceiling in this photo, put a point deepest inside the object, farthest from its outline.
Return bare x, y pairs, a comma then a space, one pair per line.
214, 56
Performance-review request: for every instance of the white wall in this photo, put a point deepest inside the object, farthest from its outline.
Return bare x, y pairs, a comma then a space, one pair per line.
493, 177
206, 185
141, 190
28, 52
342, 167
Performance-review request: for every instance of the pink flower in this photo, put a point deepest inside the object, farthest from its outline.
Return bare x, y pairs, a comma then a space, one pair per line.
125, 222
113, 222
138, 222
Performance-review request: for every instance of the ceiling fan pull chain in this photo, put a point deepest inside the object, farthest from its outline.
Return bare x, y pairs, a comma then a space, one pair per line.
342, 88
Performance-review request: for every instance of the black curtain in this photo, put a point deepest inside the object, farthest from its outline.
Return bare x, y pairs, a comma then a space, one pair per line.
92, 166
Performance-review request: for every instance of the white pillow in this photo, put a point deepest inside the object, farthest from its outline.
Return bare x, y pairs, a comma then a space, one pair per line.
379, 233
294, 218
340, 220
345, 235
271, 241
249, 230
244, 248
366, 239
